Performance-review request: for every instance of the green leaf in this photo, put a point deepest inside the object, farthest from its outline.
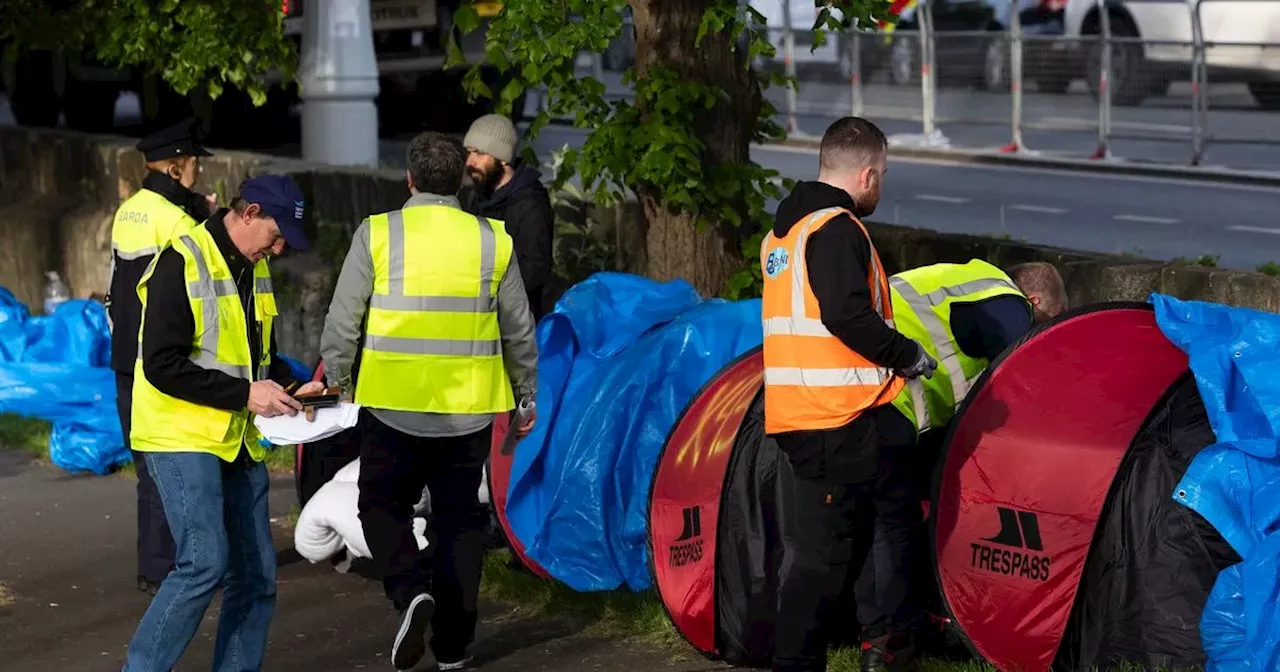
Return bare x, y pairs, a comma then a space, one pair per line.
510, 92
466, 18
453, 53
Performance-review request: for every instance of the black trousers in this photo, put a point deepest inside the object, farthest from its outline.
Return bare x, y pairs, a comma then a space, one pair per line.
882, 598
394, 468
848, 480
155, 541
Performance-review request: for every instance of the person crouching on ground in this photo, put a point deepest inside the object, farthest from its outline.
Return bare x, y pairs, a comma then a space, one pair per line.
205, 371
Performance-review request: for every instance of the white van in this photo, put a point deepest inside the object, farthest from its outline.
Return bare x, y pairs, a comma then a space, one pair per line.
1236, 29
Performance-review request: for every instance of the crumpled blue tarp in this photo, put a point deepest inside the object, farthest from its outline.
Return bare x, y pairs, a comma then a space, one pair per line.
619, 359
1235, 484
55, 367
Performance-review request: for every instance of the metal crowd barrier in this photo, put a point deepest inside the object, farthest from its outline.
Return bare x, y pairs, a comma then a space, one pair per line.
983, 85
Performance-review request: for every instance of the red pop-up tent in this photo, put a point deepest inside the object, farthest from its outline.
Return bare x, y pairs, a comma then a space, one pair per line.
1057, 541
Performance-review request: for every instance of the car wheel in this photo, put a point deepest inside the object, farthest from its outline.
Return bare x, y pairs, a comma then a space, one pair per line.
1266, 94
1127, 65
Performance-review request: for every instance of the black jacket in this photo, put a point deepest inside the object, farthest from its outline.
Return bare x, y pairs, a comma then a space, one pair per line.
170, 327
126, 310
525, 206
837, 258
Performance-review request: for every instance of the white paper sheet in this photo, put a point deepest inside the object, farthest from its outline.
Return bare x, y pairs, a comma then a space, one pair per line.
283, 430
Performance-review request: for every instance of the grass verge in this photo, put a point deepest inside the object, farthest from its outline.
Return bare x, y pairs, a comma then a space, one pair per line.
617, 613
29, 435
626, 615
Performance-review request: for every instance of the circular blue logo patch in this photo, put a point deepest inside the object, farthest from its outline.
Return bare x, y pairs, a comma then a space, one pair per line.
776, 262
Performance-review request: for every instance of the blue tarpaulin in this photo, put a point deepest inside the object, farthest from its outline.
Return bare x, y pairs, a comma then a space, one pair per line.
1235, 484
55, 367
619, 359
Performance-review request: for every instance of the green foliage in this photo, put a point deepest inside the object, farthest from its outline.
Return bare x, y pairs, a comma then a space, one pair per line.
1206, 260
652, 144
23, 433
209, 43
581, 246
1269, 268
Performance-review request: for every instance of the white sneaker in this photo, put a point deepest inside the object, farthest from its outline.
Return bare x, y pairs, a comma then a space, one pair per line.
464, 664
411, 645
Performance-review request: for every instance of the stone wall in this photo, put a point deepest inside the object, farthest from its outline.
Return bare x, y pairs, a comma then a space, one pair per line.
59, 190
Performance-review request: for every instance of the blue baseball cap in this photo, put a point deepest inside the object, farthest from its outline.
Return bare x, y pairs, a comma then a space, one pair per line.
280, 199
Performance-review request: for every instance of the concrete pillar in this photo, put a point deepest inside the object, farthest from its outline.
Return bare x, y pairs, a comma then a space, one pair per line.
338, 73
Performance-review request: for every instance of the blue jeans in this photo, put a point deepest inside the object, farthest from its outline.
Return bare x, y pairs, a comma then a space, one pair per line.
218, 514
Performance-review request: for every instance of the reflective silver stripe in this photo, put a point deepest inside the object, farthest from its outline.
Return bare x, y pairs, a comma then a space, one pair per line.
396, 300
136, 254
395, 253
488, 256
937, 296
916, 388
790, 326
797, 284
787, 375
431, 346
263, 285
948, 350
207, 290
207, 360
439, 304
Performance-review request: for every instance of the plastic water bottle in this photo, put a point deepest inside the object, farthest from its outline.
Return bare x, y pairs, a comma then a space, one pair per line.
55, 292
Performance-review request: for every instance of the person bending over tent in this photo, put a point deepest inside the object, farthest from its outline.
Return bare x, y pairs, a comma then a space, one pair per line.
964, 315
833, 362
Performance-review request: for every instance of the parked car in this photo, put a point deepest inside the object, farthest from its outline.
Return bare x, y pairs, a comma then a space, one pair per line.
1141, 70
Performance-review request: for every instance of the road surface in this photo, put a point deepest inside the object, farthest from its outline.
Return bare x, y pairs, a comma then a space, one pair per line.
1156, 218
68, 601
1150, 217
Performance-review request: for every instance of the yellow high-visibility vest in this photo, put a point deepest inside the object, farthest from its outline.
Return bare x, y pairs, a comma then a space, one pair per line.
922, 300
432, 342
144, 224
162, 423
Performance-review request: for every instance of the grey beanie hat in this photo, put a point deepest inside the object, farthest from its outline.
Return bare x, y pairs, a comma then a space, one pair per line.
494, 135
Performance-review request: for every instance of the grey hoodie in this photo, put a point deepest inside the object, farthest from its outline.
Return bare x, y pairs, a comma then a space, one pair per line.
343, 331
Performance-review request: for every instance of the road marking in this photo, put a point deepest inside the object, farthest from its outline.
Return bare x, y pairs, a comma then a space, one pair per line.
1254, 229
941, 199
1040, 208
1146, 220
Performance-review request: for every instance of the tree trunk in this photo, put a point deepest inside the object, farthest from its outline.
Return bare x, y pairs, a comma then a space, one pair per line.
666, 32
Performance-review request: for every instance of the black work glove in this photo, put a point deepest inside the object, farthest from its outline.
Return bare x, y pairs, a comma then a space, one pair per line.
923, 366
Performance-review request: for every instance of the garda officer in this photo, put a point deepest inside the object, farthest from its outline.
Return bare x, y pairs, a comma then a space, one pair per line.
448, 333
833, 363
964, 315
208, 364
163, 207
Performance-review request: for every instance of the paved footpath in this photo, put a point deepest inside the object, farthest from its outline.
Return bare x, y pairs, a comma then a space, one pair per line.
68, 601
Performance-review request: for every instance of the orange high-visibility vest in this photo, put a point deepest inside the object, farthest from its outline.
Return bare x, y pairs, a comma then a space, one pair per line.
812, 380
